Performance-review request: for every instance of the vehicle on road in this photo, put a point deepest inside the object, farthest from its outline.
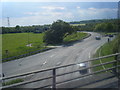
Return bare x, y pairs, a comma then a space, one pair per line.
110, 35
82, 70
98, 38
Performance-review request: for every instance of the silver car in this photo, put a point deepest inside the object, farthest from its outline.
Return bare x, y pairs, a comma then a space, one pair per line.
82, 66
97, 37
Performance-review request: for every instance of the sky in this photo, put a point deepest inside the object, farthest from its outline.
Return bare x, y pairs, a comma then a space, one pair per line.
39, 13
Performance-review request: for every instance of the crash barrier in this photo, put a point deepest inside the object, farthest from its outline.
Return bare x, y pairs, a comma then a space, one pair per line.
24, 55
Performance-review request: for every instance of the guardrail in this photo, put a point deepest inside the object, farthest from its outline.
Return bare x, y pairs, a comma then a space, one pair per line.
24, 55
55, 75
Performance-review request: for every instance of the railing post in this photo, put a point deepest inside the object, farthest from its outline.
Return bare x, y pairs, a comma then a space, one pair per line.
117, 70
54, 79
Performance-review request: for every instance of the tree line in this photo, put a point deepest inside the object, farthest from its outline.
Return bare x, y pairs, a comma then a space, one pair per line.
104, 25
24, 29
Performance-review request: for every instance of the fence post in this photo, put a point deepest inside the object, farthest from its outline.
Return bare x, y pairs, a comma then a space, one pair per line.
118, 73
54, 79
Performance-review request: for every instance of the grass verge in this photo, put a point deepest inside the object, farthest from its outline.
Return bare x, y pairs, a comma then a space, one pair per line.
75, 36
106, 49
12, 82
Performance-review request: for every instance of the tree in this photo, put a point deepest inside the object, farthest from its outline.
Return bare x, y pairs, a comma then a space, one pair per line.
109, 27
100, 27
17, 27
57, 32
105, 27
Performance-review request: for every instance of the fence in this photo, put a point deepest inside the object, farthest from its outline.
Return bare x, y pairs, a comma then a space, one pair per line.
55, 75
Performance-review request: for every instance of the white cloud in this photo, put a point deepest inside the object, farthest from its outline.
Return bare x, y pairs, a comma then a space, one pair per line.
32, 13
97, 13
91, 8
53, 7
77, 7
102, 9
39, 18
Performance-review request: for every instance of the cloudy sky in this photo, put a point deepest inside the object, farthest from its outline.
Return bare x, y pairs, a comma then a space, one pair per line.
39, 13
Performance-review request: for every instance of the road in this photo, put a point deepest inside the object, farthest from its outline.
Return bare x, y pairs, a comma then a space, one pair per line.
62, 55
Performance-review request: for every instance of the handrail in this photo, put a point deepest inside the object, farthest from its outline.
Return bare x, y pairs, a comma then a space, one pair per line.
82, 76
26, 82
38, 71
87, 68
54, 72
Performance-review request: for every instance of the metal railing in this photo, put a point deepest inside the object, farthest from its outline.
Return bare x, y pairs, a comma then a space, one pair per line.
55, 75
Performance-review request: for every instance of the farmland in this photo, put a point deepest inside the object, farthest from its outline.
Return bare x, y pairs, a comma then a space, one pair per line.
78, 24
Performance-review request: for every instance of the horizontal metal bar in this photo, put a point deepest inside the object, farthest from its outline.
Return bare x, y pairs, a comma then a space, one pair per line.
62, 74
71, 72
45, 86
38, 71
24, 74
87, 68
23, 55
81, 76
26, 82
23, 83
89, 74
107, 56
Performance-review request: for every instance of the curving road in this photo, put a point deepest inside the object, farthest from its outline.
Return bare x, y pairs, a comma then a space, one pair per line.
62, 55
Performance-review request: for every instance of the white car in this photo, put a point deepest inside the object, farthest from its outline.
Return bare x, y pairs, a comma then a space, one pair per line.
82, 66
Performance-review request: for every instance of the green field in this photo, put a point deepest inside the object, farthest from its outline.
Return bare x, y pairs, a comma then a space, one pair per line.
16, 43
78, 24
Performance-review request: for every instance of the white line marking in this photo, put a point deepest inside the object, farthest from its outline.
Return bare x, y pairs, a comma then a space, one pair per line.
101, 60
58, 63
89, 55
44, 62
97, 49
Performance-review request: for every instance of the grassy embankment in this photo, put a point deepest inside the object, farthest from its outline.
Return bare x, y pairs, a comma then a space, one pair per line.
106, 49
16, 43
75, 36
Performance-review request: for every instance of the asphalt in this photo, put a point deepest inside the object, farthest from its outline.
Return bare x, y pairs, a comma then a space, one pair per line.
62, 55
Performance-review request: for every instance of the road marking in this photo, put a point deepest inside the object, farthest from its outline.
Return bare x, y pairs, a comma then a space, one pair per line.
89, 55
97, 49
44, 62
89, 63
101, 60
58, 63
